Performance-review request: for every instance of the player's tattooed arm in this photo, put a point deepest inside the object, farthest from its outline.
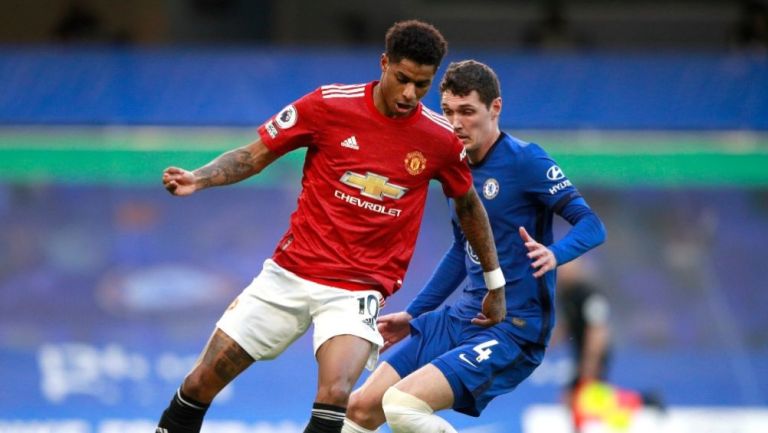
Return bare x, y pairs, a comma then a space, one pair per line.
234, 166
230, 167
477, 229
474, 222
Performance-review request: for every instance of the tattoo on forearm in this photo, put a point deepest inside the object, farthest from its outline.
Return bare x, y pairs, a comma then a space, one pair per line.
230, 167
474, 224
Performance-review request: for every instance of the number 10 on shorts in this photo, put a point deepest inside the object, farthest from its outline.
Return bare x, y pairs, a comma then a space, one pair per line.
368, 307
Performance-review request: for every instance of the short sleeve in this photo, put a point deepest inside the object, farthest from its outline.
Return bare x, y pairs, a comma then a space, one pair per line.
292, 127
455, 175
546, 180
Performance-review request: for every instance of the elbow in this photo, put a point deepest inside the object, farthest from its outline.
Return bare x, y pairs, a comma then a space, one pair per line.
597, 229
602, 233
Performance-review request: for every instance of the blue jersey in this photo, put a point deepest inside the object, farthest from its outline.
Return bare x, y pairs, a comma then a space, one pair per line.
520, 185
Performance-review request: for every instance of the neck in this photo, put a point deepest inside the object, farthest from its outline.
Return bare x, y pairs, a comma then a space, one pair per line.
477, 155
378, 100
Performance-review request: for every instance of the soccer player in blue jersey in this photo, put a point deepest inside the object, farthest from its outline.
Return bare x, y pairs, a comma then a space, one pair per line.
451, 361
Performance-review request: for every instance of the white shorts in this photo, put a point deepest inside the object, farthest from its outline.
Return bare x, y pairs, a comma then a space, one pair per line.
278, 307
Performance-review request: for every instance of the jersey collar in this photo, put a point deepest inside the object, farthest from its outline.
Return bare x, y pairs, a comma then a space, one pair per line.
502, 136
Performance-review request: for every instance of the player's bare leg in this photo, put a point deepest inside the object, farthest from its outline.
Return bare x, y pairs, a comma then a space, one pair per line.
364, 412
409, 405
340, 361
221, 361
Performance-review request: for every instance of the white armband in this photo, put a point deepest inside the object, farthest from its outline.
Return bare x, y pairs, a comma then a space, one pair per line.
494, 279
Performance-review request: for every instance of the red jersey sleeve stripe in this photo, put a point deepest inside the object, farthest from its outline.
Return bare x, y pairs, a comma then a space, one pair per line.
439, 120
355, 90
343, 95
343, 86
343, 91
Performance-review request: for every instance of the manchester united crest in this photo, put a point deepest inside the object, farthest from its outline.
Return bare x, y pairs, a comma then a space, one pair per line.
415, 163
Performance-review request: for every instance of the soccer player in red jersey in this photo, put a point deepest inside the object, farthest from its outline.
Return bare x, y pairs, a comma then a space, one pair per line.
371, 151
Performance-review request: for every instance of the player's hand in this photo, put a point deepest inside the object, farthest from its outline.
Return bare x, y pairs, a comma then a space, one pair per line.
394, 327
494, 309
179, 181
543, 258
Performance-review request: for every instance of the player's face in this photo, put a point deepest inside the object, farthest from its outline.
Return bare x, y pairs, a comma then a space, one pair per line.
402, 86
475, 124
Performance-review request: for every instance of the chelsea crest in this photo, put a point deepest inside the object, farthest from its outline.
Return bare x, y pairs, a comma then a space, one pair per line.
490, 188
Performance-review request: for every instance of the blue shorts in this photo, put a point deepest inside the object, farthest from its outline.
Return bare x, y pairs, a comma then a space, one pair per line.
479, 363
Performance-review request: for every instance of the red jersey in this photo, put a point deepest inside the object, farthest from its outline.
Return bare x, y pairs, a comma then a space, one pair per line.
364, 185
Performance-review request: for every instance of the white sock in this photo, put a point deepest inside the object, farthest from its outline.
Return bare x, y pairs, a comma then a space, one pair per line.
352, 427
409, 414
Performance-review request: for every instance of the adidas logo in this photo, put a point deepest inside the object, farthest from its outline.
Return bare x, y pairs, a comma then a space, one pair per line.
161, 430
351, 143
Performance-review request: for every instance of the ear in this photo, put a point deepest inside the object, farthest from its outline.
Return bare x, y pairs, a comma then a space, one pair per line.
496, 107
384, 62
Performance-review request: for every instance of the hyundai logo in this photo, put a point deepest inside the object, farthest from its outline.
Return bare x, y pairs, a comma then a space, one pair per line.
555, 173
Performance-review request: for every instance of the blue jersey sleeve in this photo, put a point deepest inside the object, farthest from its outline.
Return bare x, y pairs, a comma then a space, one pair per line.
552, 188
587, 232
450, 272
546, 181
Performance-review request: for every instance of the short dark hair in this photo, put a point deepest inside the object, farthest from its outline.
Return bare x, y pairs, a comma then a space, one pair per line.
461, 78
417, 41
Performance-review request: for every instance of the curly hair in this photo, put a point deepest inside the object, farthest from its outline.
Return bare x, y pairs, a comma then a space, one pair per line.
416, 41
461, 78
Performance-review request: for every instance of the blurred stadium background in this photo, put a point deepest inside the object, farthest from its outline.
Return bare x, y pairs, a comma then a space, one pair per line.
657, 110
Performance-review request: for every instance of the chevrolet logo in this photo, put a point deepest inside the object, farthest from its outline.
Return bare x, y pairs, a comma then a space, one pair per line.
372, 185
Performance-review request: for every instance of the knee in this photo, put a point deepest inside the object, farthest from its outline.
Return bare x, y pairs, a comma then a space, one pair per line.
357, 407
335, 394
365, 410
404, 412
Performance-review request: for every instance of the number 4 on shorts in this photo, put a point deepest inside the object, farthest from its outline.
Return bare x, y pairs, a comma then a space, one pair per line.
483, 351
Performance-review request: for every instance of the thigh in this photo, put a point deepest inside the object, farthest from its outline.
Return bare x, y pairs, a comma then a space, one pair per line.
340, 361
339, 312
432, 334
376, 385
429, 384
488, 364
270, 314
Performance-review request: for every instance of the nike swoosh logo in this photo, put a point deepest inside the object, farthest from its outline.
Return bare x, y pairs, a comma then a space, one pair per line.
463, 357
